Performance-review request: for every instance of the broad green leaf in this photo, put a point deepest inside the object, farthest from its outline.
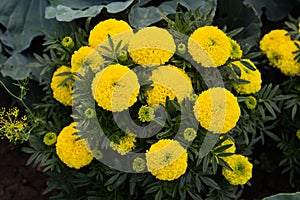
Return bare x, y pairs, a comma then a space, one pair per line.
275, 9
140, 17
24, 20
235, 14
16, 68
66, 11
284, 196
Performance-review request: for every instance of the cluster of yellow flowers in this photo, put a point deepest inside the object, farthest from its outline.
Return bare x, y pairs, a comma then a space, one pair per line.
116, 87
13, 127
278, 46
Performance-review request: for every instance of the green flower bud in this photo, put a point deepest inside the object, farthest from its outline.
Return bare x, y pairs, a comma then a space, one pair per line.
146, 114
251, 102
298, 134
189, 134
138, 164
50, 138
123, 56
89, 113
67, 42
181, 48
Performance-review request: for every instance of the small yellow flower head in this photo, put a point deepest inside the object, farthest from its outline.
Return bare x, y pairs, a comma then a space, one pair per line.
115, 88
217, 110
138, 164
175, 84
241, 170
14, 129
209, 46
226, 142
146, 114
74, 153
49, 138
118, 30
62, 93
236, 52
298, 134
253, 76
251, 102
125, 145
189, 134
151, 46
167, 159
67, 42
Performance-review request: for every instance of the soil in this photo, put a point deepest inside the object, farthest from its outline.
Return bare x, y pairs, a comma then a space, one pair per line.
18, 181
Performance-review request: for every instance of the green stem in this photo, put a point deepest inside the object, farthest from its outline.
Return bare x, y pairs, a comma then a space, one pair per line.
18, 98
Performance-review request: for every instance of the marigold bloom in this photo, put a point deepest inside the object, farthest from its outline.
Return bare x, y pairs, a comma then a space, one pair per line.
189, 134
168, 81
125, 145
138, 164
62, 93
146, 114
209, 46
115, 88
279, 48
118, 30
167, 159
241, 170
217, 110
236, 52
273, 39
84, 57
231, 149
74, 153
253, 76
151, 46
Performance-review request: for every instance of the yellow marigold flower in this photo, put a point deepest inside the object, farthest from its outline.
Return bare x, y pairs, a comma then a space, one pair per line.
226, 142
151, 46
138, 164
209, 46
273, 39
115, 88
236, 52
12, 127
50, 138
298, 134
167, 159
282, 57
251, 102
125, 145
241, 170
253, 76
146, 114
189, 134
62, 93
84, 57
118, 30
168, 81
217, 110
67, 42
71, 151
